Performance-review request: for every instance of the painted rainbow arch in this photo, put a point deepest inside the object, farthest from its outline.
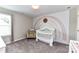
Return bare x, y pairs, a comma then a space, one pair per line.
53, 22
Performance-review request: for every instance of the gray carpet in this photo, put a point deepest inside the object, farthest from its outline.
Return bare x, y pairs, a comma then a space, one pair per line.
31, 46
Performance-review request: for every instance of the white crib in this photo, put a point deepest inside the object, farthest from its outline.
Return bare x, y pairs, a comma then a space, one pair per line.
46, 35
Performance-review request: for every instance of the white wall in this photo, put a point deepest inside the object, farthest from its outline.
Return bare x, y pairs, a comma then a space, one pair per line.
21, 23
62, 17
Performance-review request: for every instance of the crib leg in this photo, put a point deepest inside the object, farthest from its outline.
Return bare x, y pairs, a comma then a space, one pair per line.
50, 44
36, 39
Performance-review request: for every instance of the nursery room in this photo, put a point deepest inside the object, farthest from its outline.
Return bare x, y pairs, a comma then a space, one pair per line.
39, 29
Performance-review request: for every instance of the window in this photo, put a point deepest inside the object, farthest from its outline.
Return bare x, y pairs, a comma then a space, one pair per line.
5, 24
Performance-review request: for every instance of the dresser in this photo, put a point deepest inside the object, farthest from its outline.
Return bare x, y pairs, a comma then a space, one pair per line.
31, 34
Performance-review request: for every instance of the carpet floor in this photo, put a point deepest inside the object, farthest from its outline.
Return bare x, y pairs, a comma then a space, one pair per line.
31, 46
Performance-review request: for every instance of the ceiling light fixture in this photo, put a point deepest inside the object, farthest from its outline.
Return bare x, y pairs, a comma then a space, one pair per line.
35, 6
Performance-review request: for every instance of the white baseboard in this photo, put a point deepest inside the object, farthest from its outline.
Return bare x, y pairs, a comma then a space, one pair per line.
63, 42
60, 41
19, 39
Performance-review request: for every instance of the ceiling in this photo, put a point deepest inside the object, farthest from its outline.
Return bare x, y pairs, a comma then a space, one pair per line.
43, 9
